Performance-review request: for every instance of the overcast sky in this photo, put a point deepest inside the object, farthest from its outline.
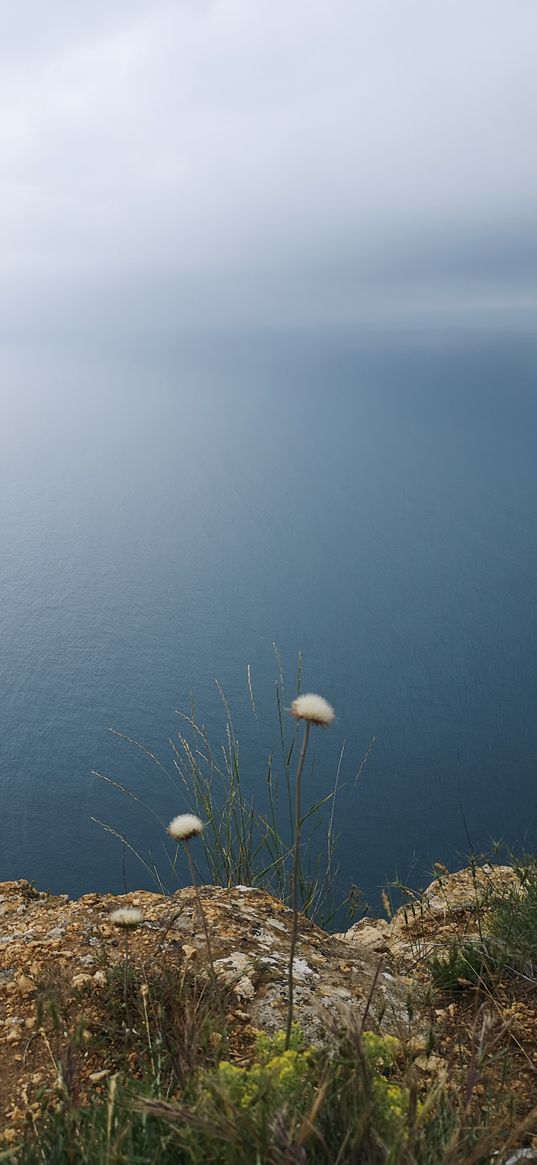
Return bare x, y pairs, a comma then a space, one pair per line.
251, 163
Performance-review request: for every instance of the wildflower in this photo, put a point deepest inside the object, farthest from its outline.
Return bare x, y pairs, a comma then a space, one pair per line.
315, 709
185, 826
127, 916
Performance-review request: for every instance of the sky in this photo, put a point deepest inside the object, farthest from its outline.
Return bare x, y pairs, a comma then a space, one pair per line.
247, 164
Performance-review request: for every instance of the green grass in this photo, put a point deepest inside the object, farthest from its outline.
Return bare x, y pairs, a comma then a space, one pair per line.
245, 843
359, 1105
512, 924
507, 943
465, 964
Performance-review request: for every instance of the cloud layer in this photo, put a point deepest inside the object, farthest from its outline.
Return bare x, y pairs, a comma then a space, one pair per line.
239, 164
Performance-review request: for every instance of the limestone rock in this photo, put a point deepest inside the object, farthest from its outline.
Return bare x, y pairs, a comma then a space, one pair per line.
452, 906
370, 933
375, 966
250, 936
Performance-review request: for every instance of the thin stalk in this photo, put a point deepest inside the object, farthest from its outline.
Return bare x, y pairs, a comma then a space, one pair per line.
295, 881
201, 910
145, 992
126, 987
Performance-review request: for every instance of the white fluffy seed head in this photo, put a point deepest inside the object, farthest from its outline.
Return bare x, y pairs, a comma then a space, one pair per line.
184, 827
313, 708
127, 916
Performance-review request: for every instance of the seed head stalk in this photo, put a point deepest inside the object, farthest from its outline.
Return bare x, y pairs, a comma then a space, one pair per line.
311, 709
196, 889
295, 879
127, 918
183, 828
128, 1025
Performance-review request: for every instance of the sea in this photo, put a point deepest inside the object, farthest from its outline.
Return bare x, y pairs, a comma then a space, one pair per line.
180, 518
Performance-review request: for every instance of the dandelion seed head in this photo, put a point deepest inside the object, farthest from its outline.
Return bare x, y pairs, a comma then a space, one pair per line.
313, 708
185, 826
127, 916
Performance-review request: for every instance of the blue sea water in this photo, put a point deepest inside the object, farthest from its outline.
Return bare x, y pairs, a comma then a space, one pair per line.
164, 521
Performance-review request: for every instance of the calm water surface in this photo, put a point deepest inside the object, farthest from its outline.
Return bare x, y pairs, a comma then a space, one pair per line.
160, 528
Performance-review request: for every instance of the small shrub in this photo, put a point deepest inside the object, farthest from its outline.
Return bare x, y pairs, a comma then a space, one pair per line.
512, 923
464, 965
278, 1074
390, 1097
353, 1104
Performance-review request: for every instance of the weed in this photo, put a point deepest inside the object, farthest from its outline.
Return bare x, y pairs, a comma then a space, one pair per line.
512, 923
464, 965
244, 844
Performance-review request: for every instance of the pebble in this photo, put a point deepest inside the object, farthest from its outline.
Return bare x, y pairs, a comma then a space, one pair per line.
189, 950
25, 985
430, 1063
81, 980
244, 989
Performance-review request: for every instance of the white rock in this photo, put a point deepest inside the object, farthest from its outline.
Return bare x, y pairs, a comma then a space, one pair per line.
244, 989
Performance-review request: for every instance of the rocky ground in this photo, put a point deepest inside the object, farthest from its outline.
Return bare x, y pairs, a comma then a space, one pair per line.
451, 907
55, 953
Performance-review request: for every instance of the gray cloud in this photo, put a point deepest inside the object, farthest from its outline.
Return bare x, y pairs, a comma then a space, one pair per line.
241, 163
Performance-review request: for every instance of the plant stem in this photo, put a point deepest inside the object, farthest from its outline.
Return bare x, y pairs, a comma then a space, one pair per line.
294, 884
126, 987
202, 912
